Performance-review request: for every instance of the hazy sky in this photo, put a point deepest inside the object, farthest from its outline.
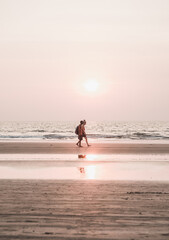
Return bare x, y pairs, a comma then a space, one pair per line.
50, 48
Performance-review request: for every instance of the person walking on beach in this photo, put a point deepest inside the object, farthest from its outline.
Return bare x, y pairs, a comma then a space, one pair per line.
79, 132
82, 133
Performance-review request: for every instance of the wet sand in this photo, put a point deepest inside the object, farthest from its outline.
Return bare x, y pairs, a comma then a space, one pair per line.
43, 209
71, 148
81, 209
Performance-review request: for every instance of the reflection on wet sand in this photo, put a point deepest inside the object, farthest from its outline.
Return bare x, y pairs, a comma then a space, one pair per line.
89, 172
81, 169
89, 157
83, 166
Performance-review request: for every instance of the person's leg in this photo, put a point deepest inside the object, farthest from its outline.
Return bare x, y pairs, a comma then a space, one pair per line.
87, 141
79, 142
80, 145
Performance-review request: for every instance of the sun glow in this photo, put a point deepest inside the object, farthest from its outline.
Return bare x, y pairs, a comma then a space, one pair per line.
91, 85
91, 157
91, 172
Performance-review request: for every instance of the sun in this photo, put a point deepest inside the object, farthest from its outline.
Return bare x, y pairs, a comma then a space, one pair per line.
91, 85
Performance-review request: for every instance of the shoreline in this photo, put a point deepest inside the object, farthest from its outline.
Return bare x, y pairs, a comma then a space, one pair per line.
71, 148
91, 140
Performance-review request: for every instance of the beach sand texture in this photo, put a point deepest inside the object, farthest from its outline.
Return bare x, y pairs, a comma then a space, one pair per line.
71, 148
43, 209
83, 209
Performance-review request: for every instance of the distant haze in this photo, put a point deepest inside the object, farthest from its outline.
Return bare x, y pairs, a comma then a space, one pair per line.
50, 48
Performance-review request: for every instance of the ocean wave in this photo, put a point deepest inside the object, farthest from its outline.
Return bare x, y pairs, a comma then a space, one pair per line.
38, 130
18, 136
141, 135
62, 131
104, 136
57, 136
134, 136
69, 136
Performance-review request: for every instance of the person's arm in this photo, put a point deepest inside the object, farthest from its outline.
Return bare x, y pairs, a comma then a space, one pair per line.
83, 129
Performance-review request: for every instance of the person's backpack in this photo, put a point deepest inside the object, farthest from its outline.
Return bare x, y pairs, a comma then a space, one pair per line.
77, 130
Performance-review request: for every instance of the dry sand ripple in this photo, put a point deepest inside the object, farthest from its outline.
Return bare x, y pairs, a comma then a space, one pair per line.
38, 209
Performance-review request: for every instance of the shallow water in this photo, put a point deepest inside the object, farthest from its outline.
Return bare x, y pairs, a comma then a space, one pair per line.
73, 167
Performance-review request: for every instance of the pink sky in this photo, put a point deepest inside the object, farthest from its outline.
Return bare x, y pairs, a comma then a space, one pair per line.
50, 48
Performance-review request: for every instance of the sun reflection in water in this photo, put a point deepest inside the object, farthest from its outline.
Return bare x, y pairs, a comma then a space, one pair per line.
91, 157
90, 172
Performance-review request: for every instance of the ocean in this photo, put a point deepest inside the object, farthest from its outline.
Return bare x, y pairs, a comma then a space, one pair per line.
102, 131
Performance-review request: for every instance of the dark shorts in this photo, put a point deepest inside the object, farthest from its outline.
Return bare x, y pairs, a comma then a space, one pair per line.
80, 137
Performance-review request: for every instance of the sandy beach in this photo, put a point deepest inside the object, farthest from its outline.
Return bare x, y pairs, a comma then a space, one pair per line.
83, 210
71, 148
72, 205
92, 73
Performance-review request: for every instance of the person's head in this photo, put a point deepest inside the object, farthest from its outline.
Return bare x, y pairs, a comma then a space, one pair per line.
81, 122
84, 122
